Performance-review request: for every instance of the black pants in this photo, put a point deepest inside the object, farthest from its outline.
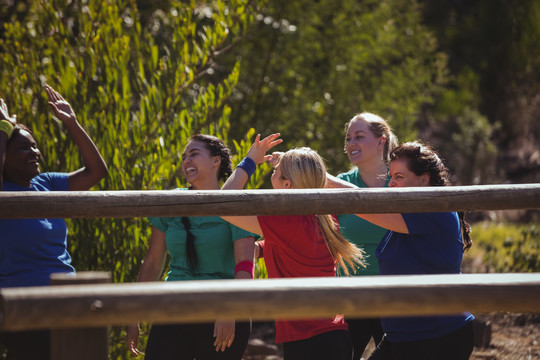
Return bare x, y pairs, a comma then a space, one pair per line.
332, 345
26, 345
362, 330
190, 341
457, 345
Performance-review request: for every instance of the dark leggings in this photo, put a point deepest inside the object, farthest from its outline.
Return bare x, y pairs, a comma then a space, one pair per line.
190, 341
26, 345
457, 345
362, 330
332, 345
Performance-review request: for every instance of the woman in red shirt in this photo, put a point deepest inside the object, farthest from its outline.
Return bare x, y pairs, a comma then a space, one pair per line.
299, 246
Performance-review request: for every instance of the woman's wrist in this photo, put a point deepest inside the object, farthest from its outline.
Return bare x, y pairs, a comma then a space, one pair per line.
6, 127
248, 165
245, 265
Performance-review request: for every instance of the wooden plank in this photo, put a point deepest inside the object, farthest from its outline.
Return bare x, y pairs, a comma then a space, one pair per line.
80, 343
191, 301
118, 204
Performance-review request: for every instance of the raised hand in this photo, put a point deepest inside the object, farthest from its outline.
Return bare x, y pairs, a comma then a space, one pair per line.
60, 106
258, 149
4, 113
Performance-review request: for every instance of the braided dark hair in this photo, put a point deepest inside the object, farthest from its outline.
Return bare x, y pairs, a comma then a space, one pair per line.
217, 147
424, 159
191, 253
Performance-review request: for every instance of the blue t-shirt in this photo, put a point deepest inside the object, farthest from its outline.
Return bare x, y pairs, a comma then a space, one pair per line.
32, 249
214, 245
433, 246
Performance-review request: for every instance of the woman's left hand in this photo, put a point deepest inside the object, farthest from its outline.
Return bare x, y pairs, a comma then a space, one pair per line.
224, 334
60, 106
258, 149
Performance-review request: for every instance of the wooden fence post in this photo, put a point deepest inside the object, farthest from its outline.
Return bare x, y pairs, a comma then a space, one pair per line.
81, 343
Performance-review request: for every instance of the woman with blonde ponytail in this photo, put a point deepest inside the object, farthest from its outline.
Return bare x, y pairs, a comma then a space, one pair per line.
299, 246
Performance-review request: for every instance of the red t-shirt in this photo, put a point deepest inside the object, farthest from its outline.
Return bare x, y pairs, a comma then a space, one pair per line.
294, 247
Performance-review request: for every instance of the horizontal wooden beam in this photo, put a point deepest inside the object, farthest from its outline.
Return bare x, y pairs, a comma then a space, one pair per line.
73, 306
121, 204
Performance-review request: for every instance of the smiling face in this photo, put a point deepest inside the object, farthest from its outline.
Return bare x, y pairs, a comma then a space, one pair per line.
199, 166
361, 144
22, 159
401, 176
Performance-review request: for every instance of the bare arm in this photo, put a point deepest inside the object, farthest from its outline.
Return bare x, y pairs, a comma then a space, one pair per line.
392, 222
236, 181
224, 329
239, 177
244, 249
151, 269
94, 168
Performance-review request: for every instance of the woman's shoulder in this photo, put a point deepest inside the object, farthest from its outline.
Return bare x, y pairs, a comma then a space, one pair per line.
50, 181
353, 173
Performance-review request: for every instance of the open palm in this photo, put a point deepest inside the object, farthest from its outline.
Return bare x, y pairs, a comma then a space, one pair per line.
62, 109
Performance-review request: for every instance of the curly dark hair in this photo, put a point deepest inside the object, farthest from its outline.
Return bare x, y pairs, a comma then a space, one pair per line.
17, 130
424, 159
217, 147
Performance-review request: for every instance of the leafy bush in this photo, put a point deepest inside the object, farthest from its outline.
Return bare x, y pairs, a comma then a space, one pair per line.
507, 247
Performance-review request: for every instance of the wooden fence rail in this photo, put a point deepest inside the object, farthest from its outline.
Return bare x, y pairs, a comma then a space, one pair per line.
73, 306
67, 307
118, 204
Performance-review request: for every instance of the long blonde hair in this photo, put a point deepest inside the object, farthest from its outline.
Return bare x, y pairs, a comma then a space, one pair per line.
305, 169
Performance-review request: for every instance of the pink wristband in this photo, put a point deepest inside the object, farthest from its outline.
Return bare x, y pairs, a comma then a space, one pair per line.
246, 265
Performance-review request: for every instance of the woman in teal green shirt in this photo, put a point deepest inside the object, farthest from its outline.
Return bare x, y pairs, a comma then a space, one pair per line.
200, 248
368, 142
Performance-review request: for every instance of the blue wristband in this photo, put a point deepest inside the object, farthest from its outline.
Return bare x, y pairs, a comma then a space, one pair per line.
248, 165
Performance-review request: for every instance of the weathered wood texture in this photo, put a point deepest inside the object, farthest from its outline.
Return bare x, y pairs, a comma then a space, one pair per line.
118, 204
193, 301
80, 343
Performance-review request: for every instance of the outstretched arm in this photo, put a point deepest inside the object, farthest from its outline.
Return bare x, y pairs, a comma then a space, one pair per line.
94, 168
392, 222
239, 177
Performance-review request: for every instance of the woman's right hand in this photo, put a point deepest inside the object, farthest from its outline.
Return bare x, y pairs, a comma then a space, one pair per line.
132, 339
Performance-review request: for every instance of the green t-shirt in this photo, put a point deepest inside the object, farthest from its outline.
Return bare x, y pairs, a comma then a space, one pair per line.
359, 231
214, 244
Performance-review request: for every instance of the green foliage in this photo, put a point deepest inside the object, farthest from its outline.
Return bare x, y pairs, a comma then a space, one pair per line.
507, 247
494, 61
310, 66
139, 96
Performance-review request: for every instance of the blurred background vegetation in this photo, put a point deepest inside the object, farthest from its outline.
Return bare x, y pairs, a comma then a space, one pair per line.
143, 76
